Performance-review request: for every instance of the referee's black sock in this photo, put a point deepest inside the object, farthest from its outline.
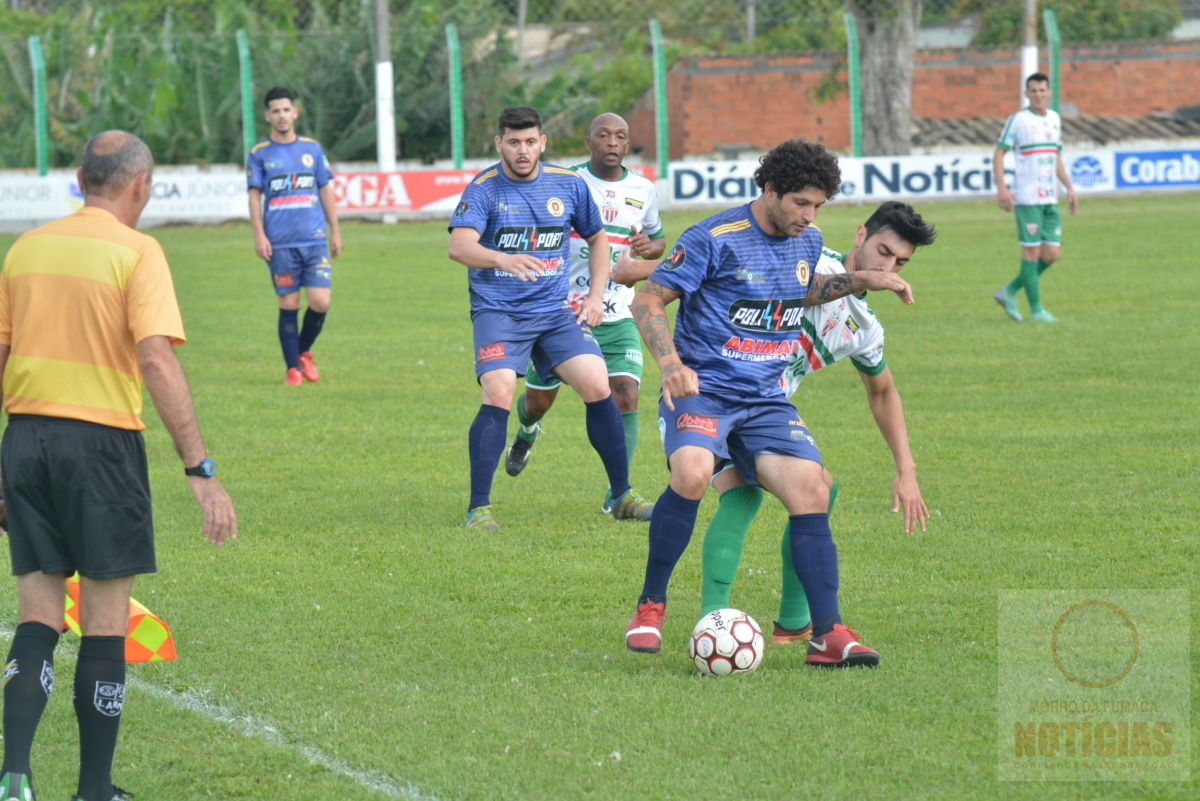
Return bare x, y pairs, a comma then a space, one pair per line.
99, 698
28, 679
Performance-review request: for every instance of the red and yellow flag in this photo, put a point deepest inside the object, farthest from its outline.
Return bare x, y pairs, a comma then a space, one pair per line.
149, 637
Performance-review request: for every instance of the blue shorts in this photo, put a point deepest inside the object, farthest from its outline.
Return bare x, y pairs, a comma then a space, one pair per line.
292, 268
509, 341
737, 429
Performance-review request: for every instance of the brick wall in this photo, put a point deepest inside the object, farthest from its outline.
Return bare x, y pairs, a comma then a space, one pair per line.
761, 101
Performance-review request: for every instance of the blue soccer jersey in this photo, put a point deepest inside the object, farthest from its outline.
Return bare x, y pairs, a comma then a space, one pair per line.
534, 217
742, 297
289, 176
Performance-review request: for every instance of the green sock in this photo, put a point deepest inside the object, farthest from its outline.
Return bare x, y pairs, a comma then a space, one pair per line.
1033, 290
1043, 265
630, 419
723, 544
1014, 286
793, 603
526, 431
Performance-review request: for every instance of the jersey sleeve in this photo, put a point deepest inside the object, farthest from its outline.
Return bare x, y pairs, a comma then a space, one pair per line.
472, 209
255, 177
1008, 136
651, 224
150, 298
585, 217
324, 171
869, 359
689, 262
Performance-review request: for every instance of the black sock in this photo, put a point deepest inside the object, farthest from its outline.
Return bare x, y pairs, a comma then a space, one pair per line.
99, 698
289, 339
313, 321
28, 679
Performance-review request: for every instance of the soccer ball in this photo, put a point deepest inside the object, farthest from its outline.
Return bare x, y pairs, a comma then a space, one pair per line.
726, 641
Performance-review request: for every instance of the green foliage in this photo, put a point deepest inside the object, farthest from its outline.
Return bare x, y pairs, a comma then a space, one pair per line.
1001, 22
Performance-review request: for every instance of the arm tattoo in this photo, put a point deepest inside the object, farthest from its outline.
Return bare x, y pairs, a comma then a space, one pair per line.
825, 288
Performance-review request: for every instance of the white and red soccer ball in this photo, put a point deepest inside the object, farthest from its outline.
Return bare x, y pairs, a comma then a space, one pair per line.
726, 641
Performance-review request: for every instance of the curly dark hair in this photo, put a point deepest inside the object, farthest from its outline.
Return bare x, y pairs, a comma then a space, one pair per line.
904, 220
277, 93
795, 165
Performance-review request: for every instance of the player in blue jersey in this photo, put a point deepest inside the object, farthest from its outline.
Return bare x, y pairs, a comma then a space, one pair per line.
743, 278
511, 229
294, 217
629, 206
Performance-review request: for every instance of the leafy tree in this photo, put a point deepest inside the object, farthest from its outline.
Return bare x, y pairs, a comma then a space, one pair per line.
1002, 21
887, 39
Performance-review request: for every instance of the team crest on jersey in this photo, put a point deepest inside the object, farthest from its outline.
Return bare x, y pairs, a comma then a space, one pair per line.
802, 272
555, 207
307, 160
609, 213
675, 257
461, 208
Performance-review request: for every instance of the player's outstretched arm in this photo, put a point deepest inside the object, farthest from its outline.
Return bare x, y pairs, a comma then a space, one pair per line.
169, 390
649, 309
466, 250
826, 287
629, 271
886, 407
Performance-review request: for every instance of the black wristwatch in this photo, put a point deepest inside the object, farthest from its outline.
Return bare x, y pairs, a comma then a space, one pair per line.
206, 469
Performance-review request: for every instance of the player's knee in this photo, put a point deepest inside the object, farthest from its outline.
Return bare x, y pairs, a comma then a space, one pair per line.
625, 396
537, 402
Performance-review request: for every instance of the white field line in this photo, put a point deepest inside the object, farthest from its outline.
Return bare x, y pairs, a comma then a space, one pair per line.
260, 730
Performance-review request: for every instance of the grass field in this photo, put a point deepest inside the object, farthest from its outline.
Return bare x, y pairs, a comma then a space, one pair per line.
357, 643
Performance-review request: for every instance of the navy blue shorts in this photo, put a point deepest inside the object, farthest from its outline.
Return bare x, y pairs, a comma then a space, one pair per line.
78, 498
292, 268
737, 429
510, 341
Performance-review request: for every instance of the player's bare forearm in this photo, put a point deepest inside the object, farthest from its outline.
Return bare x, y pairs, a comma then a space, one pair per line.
329, 206
169, 390
599, 260
649, 310
825, 288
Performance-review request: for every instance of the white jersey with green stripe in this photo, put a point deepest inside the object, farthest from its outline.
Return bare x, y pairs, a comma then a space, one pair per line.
624, 204
1036, 141
836, 330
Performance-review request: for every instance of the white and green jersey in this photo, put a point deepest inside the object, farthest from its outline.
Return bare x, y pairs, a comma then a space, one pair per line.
624, 204
1036, 141
841, 328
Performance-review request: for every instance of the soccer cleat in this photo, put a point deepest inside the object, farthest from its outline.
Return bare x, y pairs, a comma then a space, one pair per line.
645, 628
630, 506
481, 518
16, 787
308, 368
782, 635
292, 378
1009, 302
1042, 316
840, 648
518, 452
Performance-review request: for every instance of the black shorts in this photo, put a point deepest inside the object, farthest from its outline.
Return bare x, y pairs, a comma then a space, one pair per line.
78, 498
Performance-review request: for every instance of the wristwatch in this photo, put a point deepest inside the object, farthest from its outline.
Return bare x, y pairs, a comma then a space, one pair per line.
206, 469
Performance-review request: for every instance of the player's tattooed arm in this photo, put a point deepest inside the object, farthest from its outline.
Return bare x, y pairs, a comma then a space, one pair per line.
825, 288
649, 309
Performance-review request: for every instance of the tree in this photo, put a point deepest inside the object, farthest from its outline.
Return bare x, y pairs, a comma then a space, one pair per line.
887, 41
1001, 21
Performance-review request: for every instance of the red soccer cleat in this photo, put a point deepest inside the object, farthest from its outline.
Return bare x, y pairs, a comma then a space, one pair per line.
308, 368
840, 648
292, 379
782, 635
645, 628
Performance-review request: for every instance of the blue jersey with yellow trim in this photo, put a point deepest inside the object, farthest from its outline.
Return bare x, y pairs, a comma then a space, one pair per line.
742, 300
289, 176
534, 217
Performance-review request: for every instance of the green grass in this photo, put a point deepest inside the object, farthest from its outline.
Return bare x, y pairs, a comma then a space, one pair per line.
356, 622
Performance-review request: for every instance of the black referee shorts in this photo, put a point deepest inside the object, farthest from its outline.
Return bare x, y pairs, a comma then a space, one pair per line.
78, 498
